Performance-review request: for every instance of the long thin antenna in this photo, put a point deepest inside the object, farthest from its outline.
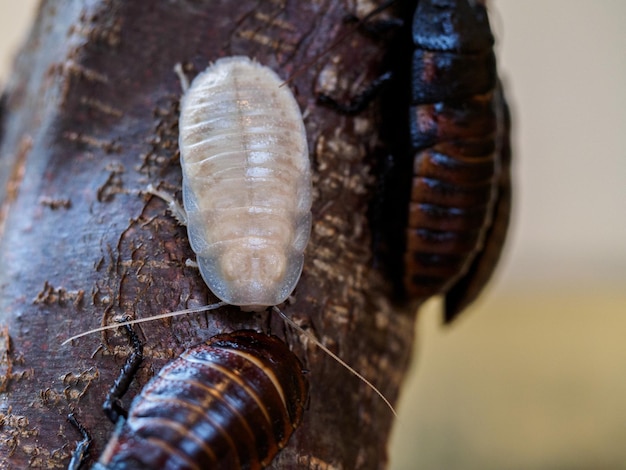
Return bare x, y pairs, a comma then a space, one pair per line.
204, 308
217, 305
310, 336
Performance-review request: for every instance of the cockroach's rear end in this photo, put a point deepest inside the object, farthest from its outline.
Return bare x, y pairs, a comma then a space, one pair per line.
230, 403
246, 182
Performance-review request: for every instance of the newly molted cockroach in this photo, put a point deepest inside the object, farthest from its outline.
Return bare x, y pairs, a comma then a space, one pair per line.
246, 182
230, 403
246, 188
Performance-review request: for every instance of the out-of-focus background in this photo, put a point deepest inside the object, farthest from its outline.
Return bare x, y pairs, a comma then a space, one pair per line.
534, 375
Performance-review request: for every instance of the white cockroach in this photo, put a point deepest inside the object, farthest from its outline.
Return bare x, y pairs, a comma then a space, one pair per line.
246, 189
246, 182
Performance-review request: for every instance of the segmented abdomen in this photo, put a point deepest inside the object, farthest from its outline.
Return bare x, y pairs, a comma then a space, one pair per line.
246, 182
229, 403
465, 291
454, 136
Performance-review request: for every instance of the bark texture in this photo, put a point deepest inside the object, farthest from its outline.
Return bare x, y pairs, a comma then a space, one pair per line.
89, 119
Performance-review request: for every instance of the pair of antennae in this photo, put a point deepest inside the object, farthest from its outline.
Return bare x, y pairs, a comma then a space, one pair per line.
217, 305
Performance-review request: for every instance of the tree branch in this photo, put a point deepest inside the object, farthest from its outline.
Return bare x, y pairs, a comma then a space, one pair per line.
89, 120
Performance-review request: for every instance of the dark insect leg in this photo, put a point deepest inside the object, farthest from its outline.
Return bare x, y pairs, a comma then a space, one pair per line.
379, 208
359, 102
375, 28
80, 454
112, 406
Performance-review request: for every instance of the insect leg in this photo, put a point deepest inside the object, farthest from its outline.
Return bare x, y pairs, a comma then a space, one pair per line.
172, 204
184, 81
375, 28
79, 456
358, 103
111, 406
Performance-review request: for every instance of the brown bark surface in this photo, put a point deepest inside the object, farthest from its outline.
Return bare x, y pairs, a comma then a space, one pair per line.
89, 119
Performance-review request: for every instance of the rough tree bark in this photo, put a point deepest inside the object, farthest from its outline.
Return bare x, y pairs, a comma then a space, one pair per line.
89, 119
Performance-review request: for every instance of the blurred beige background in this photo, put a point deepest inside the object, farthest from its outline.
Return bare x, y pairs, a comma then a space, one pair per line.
534, 376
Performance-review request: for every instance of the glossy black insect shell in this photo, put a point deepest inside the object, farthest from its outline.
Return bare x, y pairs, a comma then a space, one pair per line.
451, 25
229, 403
452, 167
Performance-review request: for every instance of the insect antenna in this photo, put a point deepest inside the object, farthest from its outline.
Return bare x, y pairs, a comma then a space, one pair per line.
204, 308
217, 305
312, 338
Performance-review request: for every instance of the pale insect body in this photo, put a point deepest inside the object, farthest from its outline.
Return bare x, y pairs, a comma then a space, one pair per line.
246, 182
246, 189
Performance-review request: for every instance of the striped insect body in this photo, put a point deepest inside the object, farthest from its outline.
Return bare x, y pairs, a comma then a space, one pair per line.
469, 287
246, 182
456, 141
443, 214
230, 403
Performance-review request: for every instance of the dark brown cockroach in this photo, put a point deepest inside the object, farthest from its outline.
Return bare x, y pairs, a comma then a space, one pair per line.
458, 142
452, 166
232, 402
